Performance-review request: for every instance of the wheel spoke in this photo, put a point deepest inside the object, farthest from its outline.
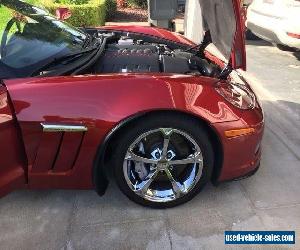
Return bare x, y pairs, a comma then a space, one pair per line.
151, 158
133, 157
196, 158
165, 148
176, 186
143, 187
167, 132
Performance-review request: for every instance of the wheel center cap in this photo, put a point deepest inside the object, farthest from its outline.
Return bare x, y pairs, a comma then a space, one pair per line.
162, 166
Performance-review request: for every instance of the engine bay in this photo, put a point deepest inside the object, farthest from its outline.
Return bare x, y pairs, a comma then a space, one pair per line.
107, 53
127, 55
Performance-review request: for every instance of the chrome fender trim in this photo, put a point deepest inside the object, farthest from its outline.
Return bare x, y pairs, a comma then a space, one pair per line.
63, 128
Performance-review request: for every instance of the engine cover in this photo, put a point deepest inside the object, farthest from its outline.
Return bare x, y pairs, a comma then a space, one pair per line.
145, 58
129, 58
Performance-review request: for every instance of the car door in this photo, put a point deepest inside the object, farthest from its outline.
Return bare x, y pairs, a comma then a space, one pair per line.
12, 156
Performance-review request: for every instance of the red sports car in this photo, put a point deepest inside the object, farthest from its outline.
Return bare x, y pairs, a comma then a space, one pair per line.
164, 114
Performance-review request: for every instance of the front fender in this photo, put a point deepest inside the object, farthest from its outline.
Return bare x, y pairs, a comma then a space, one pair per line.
100, 103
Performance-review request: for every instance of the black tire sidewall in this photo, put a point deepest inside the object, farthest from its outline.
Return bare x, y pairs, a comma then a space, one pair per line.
285, 48
191, 127
251, 36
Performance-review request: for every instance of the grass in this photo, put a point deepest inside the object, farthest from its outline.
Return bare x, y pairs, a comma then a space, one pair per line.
5, 15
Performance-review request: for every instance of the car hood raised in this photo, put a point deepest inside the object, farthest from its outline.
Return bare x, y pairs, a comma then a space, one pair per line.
223, 19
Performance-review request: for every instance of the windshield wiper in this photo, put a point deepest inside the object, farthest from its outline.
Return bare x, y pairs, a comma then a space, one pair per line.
80, 66
66, 58
87, 40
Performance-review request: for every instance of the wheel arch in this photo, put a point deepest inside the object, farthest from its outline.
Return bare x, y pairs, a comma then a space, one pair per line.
102, 162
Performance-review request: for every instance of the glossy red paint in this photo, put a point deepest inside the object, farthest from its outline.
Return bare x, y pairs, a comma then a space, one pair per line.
238, 55
101, 103
241, 154
12, 158
151, 31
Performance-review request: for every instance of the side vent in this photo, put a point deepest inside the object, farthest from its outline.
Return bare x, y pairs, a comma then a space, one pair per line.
59, 148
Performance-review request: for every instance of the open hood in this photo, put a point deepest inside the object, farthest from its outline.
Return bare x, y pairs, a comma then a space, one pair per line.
223, 19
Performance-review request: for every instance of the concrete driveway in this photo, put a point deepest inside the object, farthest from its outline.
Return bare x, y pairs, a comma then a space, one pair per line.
270, 200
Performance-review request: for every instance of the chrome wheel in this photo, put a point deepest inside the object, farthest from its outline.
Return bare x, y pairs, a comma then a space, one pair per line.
163, 165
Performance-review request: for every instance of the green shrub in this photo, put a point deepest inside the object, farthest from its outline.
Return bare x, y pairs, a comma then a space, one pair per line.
72, 1
34, 2
111, 8
138, 3
92, 13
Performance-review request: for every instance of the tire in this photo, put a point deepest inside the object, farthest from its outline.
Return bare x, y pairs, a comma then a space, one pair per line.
285, 48
182, 126
251, 36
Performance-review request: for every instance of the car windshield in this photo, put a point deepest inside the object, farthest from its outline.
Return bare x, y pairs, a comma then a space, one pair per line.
30, 36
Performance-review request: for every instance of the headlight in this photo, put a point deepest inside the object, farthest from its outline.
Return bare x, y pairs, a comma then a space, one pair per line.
237, 94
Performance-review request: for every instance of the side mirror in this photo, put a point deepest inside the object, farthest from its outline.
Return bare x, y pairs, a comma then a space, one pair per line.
63, 13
